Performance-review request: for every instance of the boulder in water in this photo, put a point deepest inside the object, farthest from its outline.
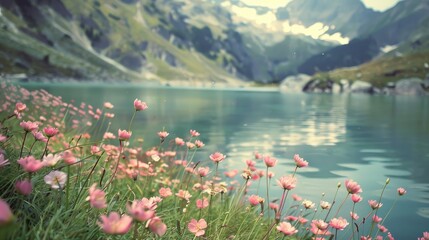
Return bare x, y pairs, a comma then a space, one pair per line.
410, 86
294, 84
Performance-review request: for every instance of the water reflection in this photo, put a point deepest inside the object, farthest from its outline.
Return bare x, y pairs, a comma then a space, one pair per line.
366, 138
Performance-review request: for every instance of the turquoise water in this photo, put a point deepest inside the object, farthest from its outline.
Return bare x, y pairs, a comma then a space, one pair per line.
366, 138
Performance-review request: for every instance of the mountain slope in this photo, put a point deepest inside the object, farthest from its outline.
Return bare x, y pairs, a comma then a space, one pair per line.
198, 40
401, 23
114, 38
334, 13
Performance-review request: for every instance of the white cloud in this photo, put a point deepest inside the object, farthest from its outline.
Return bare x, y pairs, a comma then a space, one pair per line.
268, 21
380, 5
316, 31
250, 14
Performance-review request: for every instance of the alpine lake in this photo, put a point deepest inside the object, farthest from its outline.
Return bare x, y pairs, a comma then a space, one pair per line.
367, 138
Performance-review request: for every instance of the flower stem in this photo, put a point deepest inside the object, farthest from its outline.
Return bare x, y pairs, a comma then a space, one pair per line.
379, 202
22, 146
46, 147
131, 122
342, 203
68, 187
332, 205
268, 194
116, 167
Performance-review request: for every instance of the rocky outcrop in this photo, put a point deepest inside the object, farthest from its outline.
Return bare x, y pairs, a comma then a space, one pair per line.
411, 86
294, 84
361, 87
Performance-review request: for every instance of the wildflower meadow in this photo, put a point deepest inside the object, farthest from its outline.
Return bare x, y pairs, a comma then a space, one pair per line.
66, 174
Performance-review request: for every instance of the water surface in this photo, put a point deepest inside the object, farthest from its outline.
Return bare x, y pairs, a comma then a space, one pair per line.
366, 138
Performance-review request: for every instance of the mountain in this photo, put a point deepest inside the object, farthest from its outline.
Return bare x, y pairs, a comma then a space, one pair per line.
335, 14
399, 23
148, 40
407, 20
198, 40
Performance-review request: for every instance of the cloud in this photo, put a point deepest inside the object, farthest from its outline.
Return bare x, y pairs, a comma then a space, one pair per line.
380, 5
316, 31
250, 14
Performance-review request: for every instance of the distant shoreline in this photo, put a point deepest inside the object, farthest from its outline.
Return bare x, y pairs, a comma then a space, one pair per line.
155, 85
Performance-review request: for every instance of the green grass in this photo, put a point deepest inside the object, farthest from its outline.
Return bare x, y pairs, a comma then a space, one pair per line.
380, 71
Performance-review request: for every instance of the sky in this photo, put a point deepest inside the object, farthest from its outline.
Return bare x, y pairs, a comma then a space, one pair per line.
379, 5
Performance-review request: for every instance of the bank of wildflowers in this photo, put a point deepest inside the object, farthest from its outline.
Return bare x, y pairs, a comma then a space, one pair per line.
65, 174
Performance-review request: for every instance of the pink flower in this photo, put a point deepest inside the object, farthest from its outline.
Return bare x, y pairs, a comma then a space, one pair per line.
142, 210
425, 236
51, 160
203, 171
356, 198
6, 215
199, 144
29, 126
50, 131
217, 157
156, 226
202, 203
179, 141
2, 138
68, 157
291, 218
382, 228
108, 105
197, 227
287, 182
374, 204
184, 194
352, 186
56, 179
401, 191
96, 197
257, 155
163, 134
300, 162
255, 200
109, 135
165, 192
24, 187
296, 197
319, 227
231, 173
338, 223
20, 107
190, 145
124, 135
354, 216
269, 161
39, 136
30, 164
139, 105
376, 218
115, 224
194, 133
389, 236
274, 206
286, 228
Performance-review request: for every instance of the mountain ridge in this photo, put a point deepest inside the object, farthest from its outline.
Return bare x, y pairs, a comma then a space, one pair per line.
183, 40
